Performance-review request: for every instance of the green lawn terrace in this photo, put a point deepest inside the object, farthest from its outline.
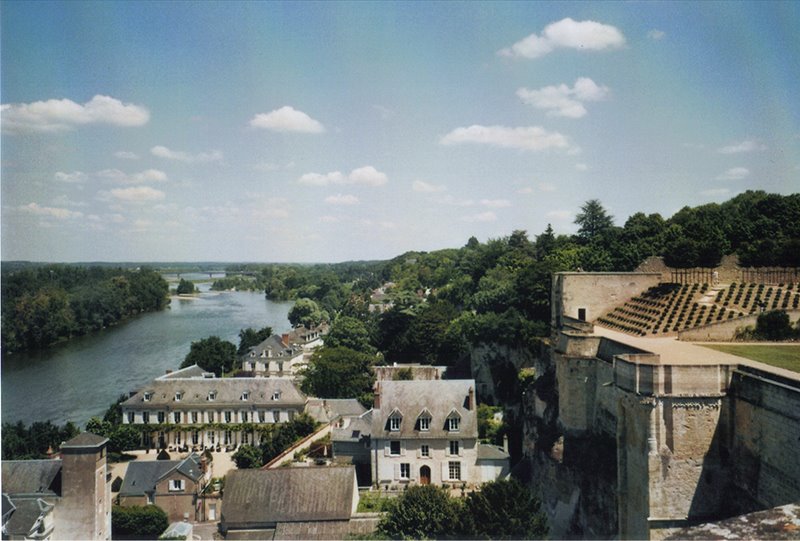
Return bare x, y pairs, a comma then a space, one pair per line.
670, 308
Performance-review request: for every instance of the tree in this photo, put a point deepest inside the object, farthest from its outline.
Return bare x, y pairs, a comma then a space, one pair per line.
351, 333
248, 457
339, 373
592, 220
306, 312
503, 509
185, 287
211, 354
250, 337
773, 325
138, 521
422, 512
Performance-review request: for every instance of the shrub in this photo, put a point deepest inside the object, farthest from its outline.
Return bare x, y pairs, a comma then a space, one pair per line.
773, 325
138, 521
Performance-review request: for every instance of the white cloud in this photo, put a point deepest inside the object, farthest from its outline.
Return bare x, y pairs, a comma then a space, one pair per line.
488, 216
53, 116
340, 199
75, 177
560, 214
425, 187
143, 177
125, 155
138, 194
186, 157
744, 146
287, 119
525, 138
50, 212
581, 167
496, 203
735, 173
546, 187
715, 192
656, 34
367, 176
63, 200
566, 33
562, 100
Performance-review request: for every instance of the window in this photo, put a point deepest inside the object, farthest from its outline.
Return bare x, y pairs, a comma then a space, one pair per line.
177, 417
195, 437
245, 417
161, 417
291, 415
211, 416
150, 498
177, 438
424, 423
454, 469
405, 471
194, 417
245, 438
276, 416
130, 417
227, 417
178, 396
211, 437
394, 424
145, 417
276, 395
245, 395
262, 416
175, 484
452, 424
212, 395
394, 448
425, 451
454, 447
148, 396
228, 437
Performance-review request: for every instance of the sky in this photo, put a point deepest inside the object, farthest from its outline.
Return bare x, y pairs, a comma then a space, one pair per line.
336, 131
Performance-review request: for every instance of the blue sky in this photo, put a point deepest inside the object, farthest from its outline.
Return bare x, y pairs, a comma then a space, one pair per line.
338, 131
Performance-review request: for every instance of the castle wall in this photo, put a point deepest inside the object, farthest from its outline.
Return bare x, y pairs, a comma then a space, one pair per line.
596, 292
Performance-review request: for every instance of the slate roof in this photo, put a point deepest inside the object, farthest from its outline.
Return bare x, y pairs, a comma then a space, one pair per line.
275, 345
32, 477
24, 517
359, 427
142, 477
325, 410
261, 497
229, 393
439, 397
487, 451
84, 440
193, 371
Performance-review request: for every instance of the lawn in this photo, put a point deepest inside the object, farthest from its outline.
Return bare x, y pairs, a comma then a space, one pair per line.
787, 356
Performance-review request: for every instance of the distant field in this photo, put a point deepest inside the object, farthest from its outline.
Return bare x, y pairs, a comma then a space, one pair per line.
787, 356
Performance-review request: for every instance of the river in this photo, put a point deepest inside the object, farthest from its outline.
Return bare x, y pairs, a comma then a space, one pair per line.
81, 378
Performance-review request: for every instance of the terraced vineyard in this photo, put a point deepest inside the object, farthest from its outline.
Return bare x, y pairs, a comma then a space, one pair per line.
670, 308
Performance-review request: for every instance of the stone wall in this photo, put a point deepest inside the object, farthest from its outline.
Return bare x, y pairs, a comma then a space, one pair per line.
726, 330
594, 294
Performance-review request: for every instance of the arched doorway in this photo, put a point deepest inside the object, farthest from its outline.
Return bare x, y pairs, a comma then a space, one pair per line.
424, 475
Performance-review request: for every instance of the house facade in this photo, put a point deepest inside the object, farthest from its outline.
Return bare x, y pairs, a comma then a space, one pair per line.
192, 410
274, 357
425, 432
173, 485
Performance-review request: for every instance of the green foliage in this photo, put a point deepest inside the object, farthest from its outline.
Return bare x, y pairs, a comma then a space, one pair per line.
21, 442
185, 287
338, 372
121, 437
489, 429
306, 312
373, 502
250, 337
774, 325
47, 304
503, 509
282, 436
248, 457
592, 220
404, 374
349, 332
422, 512
211, 354
139, 521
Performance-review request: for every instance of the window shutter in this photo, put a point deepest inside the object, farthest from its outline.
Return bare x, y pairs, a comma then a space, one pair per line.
414, 472
402, 448
386, 449
397, 471
445, 471
463, 468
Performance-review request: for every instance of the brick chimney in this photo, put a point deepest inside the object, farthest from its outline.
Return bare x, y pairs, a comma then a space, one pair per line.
377, 402
285, 339
471, 401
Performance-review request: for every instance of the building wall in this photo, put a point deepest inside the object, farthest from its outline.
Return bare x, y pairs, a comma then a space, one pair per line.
386, 467
84, 511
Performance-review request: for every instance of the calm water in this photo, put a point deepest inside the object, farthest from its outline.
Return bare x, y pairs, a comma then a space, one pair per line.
80, 379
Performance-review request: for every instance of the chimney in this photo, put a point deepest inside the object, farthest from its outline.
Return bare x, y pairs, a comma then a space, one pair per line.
471, 402
377, 402
169, 371
285, 339
505, 443
203, 463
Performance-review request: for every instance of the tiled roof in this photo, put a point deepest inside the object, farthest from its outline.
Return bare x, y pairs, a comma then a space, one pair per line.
228, 393
441, 398
142, 477
24, 517
31, 477
288, 495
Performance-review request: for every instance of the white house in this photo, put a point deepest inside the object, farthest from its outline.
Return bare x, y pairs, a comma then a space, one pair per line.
274, 357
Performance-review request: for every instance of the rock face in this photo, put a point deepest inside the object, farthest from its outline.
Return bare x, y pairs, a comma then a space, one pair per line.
637, 438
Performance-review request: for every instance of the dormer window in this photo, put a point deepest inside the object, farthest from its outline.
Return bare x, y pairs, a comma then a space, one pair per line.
276, 395
452, 424
178, 396
394, 424
245, 395
424, 420
212, 395
148, 396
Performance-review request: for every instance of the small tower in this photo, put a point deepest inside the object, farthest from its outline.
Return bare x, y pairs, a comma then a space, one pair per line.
85, 508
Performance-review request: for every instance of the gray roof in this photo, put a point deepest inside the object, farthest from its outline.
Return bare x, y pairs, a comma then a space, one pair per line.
357, 428
488, 451
288, 495
193, 371
229, 393
275, 345
142, 477
32, 477
25, 514
325, 410
438, 398
85, 440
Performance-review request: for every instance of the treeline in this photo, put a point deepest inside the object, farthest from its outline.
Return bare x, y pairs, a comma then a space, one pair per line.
21, 442
47, 304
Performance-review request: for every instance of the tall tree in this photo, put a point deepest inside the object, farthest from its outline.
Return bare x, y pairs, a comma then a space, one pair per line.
339, 373
250, 337
592, 220
306, 312
212, 354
